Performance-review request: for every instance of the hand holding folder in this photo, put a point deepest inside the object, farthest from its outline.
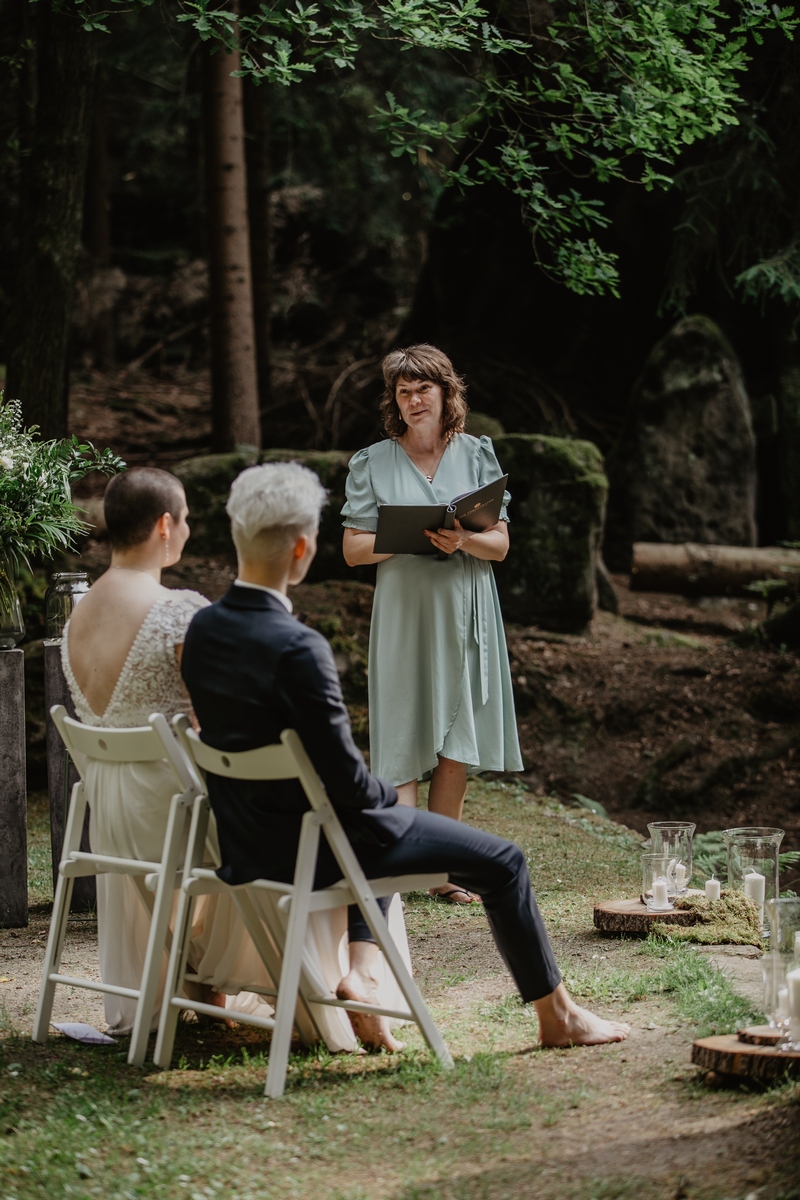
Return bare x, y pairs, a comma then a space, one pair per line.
401, 527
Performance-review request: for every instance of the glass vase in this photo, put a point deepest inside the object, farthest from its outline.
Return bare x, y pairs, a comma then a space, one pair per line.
658, 890
753, 865
783, 917
66, 589
674, 838
774, 968
12, 626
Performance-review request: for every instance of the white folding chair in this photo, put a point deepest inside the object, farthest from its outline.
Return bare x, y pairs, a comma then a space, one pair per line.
147, 743
287, 760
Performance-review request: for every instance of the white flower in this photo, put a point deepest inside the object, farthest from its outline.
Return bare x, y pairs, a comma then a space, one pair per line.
6, 462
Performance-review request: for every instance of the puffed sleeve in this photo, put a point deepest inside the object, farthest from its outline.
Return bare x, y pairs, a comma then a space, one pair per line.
489, 469
361, 508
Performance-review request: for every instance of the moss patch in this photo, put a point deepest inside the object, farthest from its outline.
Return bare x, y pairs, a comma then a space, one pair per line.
733, 919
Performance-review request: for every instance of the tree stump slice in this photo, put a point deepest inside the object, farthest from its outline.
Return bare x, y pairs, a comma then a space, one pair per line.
613, 917
727, 1055
759, 1035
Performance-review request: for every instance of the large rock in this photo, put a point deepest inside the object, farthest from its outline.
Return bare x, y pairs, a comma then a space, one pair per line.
558, 490
685, 467
208, 479
789, 450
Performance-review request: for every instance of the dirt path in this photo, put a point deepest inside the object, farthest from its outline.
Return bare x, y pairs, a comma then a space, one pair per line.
630, 1120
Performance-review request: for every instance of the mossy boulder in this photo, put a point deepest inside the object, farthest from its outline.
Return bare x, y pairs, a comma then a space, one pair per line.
558, 488
684, 469
208, 479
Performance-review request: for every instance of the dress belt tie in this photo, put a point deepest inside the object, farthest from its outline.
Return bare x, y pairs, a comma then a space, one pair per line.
480, 621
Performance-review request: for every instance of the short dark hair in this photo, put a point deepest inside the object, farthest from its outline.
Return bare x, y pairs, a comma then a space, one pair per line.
135, 500
423, 362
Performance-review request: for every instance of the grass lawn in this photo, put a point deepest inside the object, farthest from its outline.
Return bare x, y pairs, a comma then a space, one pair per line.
630, 1120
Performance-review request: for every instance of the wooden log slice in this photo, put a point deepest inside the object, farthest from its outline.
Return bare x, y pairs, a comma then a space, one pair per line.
631, 916
759, 1035
726, 1055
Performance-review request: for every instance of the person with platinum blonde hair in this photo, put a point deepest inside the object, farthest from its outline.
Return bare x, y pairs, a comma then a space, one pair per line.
253, 671
271, 506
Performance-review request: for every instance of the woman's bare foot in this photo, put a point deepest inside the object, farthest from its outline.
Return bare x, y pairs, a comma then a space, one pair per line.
562, 1022
371, 1030
208, 995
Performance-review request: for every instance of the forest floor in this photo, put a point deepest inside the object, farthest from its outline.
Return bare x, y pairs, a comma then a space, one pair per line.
620, 1122
654, 713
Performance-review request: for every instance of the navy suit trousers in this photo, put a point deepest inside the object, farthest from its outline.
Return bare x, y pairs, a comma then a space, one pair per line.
489, 865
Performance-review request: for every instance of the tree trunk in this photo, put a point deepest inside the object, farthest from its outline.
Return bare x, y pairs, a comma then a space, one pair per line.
96, 223
257, 145
709, 570
37, 333
234, 381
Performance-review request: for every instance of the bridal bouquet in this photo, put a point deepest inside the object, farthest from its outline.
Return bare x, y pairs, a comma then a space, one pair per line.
37, 516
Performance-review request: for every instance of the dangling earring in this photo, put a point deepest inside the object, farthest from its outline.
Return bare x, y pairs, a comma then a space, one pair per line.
166, 552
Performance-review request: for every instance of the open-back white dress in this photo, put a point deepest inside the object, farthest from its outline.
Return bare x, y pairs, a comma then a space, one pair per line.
129, 806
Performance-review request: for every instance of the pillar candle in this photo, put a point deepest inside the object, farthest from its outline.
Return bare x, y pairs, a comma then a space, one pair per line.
680, 876
712, 889
783, 1001
660, 897
793, 988
755, 887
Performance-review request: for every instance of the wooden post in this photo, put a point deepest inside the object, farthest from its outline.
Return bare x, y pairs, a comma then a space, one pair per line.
61, 777
13, 795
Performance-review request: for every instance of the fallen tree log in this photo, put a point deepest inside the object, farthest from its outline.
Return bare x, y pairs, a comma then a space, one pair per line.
695, 570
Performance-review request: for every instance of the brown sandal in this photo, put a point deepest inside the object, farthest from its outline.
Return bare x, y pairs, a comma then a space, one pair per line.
449, 897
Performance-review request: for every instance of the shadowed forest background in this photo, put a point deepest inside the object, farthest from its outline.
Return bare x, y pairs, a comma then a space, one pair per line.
355, 250
127, 317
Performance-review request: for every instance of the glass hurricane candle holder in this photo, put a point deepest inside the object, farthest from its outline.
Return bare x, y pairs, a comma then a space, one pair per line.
657, 887
783, 918
774, 969
753, 865
675, 839
66, 589
792, 1026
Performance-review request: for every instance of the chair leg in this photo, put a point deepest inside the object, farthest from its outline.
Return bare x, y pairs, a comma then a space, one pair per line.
159, 922
52, 958
176, 970
292, 957
353, 873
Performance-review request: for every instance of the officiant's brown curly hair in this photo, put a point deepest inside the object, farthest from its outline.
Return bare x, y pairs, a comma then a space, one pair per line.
423, 362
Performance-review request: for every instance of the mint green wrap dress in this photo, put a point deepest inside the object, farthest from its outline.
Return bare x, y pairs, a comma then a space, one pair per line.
439, 677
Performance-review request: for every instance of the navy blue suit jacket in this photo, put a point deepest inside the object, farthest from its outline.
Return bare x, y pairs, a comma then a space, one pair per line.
252, 671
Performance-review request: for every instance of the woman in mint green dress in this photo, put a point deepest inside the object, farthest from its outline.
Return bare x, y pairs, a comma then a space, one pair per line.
440, 696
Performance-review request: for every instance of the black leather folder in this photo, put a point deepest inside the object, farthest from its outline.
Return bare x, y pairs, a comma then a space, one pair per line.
401, 526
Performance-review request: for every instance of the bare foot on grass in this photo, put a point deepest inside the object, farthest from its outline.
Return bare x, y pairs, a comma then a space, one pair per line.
582, 1028
371, 1030
562, 1022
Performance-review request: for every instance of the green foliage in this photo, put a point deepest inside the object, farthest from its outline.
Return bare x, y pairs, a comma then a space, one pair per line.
557, 96
37, 515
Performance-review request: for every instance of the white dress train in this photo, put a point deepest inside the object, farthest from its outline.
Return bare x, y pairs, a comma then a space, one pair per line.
129, 806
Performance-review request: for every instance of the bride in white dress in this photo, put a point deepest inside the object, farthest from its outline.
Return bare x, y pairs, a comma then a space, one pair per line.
121, 656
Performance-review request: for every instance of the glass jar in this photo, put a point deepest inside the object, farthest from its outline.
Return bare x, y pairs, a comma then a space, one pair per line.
12, 626
753, 865
774, 969
674, 838
658, 891
783, 917
66, 589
